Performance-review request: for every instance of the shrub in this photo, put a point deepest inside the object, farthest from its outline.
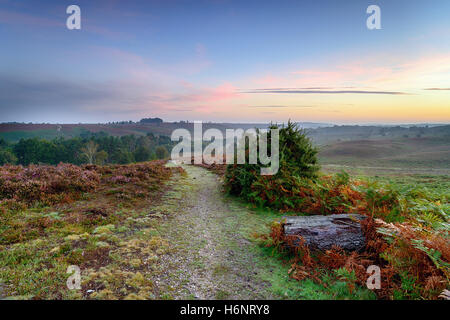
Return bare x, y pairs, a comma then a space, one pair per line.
298, 164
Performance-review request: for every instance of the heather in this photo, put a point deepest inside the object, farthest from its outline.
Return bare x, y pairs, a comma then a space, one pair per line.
45, 185
90, 216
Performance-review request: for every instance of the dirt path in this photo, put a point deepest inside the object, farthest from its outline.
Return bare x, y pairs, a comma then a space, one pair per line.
213, 256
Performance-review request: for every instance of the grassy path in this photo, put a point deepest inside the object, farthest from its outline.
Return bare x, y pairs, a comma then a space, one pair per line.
214, 256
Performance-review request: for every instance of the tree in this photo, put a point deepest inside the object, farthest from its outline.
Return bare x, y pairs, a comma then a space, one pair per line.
298, 156
36, 151
161, 152
128, 142
89, 151
142, 154
3, 143
146, 141
122, 156
151, 120
101, 157
7, 157
298, 160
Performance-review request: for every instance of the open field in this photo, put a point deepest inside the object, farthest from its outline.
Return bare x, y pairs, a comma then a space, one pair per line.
408, 154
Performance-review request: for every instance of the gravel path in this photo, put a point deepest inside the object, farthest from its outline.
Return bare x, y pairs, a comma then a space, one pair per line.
213, 255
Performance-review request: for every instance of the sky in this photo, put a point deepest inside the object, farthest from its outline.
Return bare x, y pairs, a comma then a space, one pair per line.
225, 61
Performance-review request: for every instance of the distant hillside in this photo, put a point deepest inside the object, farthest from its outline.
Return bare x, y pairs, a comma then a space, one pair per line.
16, 131
345, 133
428, 152
320, 133
13, 132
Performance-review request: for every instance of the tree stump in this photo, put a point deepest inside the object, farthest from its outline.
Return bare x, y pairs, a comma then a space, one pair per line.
322, 232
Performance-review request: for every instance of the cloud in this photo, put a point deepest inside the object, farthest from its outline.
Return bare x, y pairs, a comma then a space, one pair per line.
437, 89
206, 95
306, 88
49, 96
377, 72
281, 106
24, 95
290, 91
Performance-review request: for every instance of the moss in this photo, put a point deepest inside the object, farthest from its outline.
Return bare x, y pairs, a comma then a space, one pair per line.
76, 237
139, 281
222, 295
55, 250
101, 244
104, 295
134, 296
135, 263
104, 229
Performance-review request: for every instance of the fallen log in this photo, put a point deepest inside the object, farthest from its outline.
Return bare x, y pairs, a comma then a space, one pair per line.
322, 232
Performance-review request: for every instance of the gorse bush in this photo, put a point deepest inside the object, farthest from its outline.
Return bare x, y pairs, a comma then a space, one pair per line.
298, 163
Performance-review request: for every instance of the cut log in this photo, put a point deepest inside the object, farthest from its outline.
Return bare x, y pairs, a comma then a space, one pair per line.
322, 232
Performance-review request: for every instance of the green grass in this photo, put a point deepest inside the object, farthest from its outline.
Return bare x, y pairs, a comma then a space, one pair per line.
284, 287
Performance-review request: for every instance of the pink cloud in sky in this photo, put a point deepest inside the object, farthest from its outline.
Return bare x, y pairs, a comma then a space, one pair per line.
371, 72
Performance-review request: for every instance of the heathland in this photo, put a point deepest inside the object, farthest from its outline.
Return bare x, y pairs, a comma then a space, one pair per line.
140, 228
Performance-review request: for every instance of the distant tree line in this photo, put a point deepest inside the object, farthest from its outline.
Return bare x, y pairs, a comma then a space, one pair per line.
92, 148
151, 120
142, 121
